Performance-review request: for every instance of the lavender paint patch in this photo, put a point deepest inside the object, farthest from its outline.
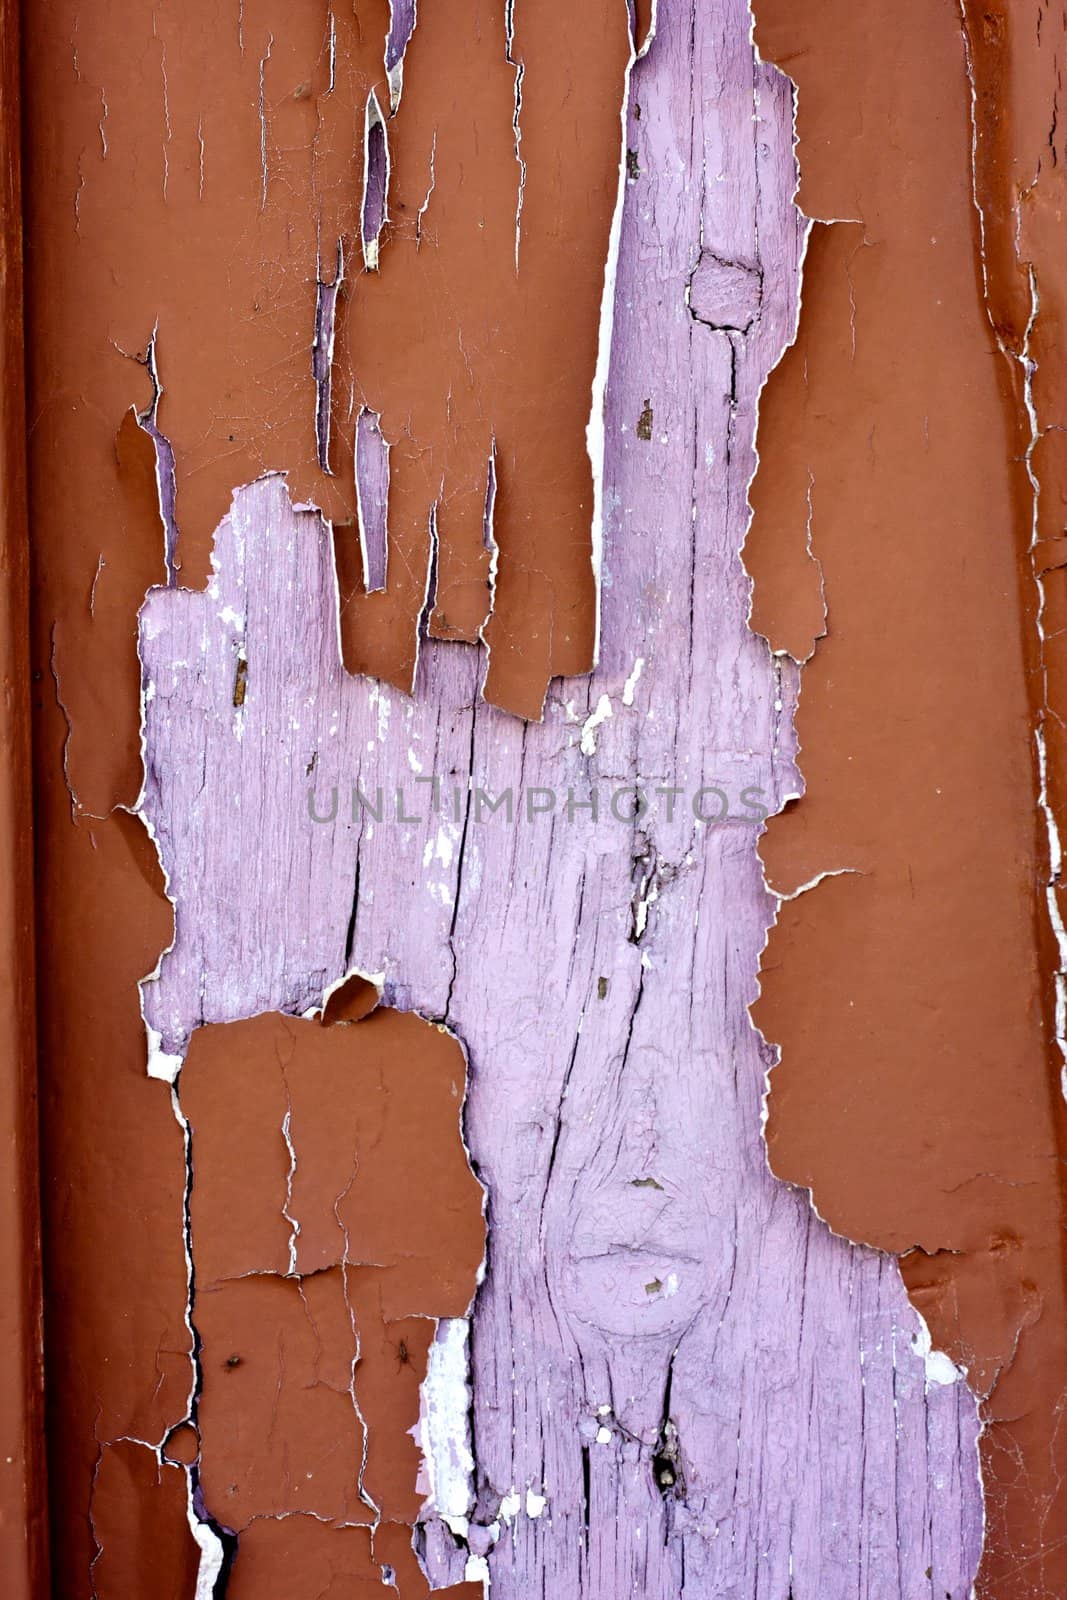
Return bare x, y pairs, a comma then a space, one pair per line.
372, 499
681, 1383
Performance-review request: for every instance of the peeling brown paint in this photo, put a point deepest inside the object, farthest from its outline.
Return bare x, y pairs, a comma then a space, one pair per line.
140, 1527
207, 181
918, 1094
279, 1433
513, 360
300, 1554
334, 1217
198, 184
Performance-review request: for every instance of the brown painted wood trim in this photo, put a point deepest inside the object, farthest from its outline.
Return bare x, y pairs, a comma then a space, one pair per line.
23, 1498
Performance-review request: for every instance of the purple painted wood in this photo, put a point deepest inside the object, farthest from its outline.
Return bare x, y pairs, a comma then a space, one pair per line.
683, 1384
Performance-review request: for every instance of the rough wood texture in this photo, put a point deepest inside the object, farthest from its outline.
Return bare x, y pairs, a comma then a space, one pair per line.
683, 1384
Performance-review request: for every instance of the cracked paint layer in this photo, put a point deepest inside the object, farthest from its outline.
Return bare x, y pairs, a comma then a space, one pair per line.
663, 1327
137, 1515
318, 1285
902, 515
680, 1380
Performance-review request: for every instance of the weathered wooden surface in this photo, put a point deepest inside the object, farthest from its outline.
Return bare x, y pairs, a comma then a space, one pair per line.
704, 1392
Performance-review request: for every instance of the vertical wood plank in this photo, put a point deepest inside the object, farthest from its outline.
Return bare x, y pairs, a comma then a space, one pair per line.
23, 1504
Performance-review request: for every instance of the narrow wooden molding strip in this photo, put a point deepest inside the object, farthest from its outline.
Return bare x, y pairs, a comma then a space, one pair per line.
23, 1496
